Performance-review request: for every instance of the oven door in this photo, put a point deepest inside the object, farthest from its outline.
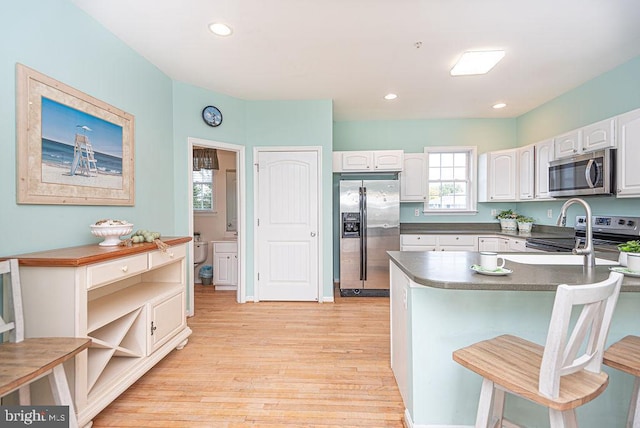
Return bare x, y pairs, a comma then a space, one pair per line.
589, 174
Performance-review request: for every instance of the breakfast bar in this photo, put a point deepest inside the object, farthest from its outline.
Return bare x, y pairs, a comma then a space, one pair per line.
438, 305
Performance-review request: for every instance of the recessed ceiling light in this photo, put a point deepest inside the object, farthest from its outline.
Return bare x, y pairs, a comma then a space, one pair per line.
390, 97
499, 105
476, 62
220, 29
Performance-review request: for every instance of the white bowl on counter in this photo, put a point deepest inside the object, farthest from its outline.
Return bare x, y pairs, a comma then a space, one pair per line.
111, 233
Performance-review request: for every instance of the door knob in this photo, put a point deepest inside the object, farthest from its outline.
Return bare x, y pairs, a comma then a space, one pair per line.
313, 234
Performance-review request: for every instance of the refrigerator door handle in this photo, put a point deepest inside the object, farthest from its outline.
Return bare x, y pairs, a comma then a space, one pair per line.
360, 201
364, 233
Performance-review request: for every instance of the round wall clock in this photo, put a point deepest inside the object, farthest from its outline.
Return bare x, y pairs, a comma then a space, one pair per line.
212, 116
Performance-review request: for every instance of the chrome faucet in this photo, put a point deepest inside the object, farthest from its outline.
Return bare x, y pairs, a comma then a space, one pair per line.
587, 250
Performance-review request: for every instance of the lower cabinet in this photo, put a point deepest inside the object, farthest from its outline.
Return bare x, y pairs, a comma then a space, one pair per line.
225, 264
496, 244
131, 306
428, 242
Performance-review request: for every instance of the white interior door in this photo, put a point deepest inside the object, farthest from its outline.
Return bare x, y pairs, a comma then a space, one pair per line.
287, 230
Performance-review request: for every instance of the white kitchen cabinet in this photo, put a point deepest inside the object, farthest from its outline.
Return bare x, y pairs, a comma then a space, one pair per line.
429, 242
526, 167
129, 300
368, 161
543, 155
628, 154
497, 176
517, 245
568, 144
225, 265
596, 136
413, 178
599, 135
418, 242
398, 296
497, 244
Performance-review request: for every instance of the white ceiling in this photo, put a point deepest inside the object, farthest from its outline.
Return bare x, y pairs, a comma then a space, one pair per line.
356, 51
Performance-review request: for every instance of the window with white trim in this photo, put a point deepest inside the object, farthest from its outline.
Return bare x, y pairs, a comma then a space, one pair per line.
203, 200
451, 179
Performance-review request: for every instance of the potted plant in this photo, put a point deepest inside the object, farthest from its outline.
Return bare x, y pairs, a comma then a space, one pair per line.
626, 248
507, 220
525, 223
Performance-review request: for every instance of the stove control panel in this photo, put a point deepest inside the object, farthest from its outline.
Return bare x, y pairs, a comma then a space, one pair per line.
610, 224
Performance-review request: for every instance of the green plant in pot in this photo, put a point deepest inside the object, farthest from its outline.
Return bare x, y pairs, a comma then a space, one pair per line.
525, 223
508, 220
626, 248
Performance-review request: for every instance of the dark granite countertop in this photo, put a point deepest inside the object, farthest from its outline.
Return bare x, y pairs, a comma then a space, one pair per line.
451, 270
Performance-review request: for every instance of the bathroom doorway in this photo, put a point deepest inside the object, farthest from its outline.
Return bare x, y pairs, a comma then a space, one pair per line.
217, 219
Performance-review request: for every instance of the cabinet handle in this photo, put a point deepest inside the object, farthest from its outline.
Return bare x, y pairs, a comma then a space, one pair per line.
153, 328
125, 268
171, 255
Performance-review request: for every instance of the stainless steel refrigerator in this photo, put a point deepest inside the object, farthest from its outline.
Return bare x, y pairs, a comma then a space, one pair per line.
369, 227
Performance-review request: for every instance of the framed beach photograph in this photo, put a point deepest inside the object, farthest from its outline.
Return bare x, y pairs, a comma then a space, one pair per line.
72, 149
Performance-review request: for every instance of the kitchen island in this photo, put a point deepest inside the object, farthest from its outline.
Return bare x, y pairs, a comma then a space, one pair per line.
438, 305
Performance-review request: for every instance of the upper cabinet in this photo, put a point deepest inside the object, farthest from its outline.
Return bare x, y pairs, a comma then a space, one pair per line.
599, 135
628, 156
368, 161
526, 167
497, 176
543, 155
413, 178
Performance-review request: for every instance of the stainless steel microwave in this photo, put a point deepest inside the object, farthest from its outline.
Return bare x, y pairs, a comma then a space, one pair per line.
587, 174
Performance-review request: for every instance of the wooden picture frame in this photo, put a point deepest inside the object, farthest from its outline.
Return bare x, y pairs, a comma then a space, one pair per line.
72, 149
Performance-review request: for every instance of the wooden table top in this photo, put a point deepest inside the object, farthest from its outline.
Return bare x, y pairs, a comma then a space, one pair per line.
23, 362
88, 254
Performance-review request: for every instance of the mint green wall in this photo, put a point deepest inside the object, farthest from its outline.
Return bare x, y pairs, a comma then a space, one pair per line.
608, 95
252, 124
413, 135
59, 40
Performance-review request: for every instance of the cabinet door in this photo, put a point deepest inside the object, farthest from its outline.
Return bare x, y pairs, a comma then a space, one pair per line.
525, 172
628, 156
502, 176
413, 178
223, 268
167, 318
496, 244
599, 135
388, 160
543, 155
568, 144
357, 161
517, 244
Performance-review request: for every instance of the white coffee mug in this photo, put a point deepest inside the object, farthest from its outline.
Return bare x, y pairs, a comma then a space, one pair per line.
489, 260
633, 261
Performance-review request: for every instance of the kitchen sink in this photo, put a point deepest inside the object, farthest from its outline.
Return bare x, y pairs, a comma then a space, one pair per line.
554, 259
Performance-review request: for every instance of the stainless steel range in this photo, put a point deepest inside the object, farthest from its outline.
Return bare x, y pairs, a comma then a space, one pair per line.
608, 232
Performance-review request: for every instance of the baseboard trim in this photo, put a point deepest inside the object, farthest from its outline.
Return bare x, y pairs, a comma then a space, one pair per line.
408, 422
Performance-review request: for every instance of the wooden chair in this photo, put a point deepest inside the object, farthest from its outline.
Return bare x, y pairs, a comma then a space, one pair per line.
554, 376
624, 355
23, 361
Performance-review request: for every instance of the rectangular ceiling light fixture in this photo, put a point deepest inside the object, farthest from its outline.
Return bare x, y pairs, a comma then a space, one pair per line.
476, 62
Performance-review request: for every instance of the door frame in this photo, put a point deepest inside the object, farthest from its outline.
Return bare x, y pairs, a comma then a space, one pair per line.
320, 235
241, 292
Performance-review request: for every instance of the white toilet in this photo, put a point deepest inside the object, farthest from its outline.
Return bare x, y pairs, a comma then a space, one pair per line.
200, 252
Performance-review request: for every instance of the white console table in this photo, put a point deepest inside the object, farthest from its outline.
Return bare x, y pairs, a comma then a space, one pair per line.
129, 300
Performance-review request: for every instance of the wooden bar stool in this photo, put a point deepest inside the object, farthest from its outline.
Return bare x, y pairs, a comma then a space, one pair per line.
624, 355
509, 364
23, 361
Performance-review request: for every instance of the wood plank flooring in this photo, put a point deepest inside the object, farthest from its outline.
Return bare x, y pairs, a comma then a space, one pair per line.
270, 364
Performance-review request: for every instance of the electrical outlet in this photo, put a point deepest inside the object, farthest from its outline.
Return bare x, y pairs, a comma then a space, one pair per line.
494, 212
417, 212
550, 213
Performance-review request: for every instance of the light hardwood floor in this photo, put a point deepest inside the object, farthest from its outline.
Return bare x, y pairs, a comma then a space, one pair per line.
270, 364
